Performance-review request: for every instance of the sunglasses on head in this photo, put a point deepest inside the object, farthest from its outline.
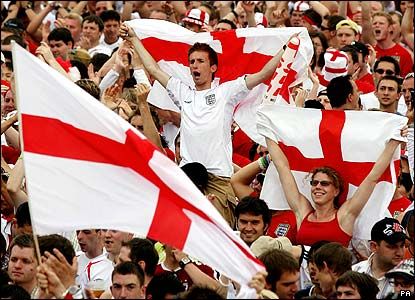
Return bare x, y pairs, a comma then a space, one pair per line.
383, 71
322, 182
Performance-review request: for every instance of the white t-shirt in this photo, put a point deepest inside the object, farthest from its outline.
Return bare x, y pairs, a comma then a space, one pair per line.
206, 118
96, 269
110, 46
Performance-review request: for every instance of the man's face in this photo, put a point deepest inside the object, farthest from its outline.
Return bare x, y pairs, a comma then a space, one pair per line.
389, 255
91, 31
326, 280
127, 287
323, 99
6, 73
296, 19
113, 240
124, 254
351, 67
111, 29
22, 265
7, 104
74, 26
347, 292
200, 68
381, 28
384, 68
89, 240
100, 7
222, 27
251, 227
387, 93
396, 27
192, 26
345, 36
60, 49
401, 283
287, 286
407, 87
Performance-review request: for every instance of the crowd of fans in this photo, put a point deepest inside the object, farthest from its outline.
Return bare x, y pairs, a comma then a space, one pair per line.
363, 60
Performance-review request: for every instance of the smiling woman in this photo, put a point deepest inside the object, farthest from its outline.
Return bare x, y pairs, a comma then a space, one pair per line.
326, 219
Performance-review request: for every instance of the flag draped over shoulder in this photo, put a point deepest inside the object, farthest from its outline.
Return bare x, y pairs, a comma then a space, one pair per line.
348, 141
88, 168
241, 51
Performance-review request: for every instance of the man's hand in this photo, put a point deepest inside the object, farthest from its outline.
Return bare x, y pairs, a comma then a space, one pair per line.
258, 281
44, 51
110, 95
85, 43
126, 32
248, 6
49, 283
58, 263
93, 75
142, 91
178, 255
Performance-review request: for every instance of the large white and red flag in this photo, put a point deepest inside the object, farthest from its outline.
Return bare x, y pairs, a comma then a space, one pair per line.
241, 51
348, 141
88, 168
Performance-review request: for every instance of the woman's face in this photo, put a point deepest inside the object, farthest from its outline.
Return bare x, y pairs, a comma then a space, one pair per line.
318, 47
324, 190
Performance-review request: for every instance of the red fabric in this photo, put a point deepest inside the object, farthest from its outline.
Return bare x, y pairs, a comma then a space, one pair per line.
183, 276
366, 84
65, 64
240, 160
241, 143
400, 54
10, 154
399, 205
31, 44
283, 223
311, 232
170, 154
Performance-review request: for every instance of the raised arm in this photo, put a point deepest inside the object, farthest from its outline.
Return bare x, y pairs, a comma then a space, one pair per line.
349, 211
149, 128
149, 63
298, 203
266, 72
242, 179
408, 25
367, 36
14, 184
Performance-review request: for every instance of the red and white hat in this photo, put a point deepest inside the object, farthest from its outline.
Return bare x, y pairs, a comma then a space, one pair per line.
261, 20
335, 64
301, 6
196, 16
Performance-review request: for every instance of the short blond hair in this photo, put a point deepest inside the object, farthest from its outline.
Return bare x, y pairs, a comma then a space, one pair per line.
383, 14
74, 16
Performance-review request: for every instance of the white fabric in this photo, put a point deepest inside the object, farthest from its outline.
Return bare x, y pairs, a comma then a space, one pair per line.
110, 46
287, 124
126, 199
267, 41
410, 150
206, 119
99, 49
97, 269
369, 101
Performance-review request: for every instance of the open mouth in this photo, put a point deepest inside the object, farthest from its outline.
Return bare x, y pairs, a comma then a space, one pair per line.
378, 31
196, 74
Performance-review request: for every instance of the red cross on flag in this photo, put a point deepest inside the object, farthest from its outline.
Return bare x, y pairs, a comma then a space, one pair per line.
241, 51
348, 141
88, 168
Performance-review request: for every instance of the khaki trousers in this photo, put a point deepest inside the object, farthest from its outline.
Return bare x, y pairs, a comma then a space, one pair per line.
225, 200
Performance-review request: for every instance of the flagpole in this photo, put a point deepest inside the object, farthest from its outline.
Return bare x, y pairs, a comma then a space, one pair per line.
19, 116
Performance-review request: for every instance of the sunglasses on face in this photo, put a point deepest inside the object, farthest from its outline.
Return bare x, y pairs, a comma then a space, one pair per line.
322, 182
382, 71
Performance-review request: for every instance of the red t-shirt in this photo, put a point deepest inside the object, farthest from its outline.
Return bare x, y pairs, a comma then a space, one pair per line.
366, 84
283, 223
240, 160
241, 143
398, 206
400, 54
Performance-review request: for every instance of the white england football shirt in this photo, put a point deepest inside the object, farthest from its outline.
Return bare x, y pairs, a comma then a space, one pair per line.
206, 118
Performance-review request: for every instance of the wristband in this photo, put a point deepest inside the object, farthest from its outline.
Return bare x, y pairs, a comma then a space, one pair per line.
263, 162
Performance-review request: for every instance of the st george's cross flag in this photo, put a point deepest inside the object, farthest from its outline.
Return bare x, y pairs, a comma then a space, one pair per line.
88, 168
241, 51
348, 141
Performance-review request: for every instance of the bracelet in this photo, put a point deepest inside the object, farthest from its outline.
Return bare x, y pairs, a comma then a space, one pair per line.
263, 162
